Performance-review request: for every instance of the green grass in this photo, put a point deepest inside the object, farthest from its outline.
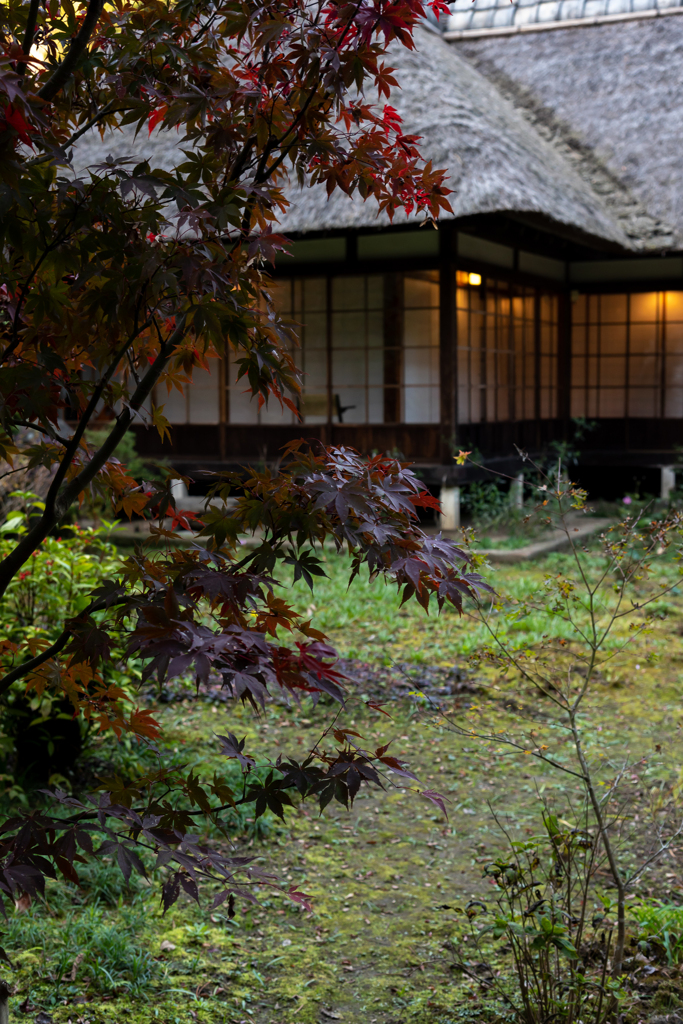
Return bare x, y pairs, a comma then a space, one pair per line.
367, 621
384, 878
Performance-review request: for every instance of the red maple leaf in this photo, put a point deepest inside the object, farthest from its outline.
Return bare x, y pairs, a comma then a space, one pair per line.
155, 117
15, 119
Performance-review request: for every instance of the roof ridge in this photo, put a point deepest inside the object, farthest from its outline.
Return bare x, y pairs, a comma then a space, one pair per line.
512, 17
457, 35
646, 232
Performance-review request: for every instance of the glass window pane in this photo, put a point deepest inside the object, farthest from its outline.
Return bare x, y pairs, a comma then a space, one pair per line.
462, 325
375, 331
421, 291
643, 402
421, 328
673, 402
613, 308
547, 369
421, 405
281, 293
462, 298
644, 337
673, 304
420, 367
612, 371
378, 348
498, 355
348, 330
313, 406
674, 337
274, 413
578, 403
548, 338
578, 339
548, 308
375, 290
548, 403
313, 331
203, 398
375, 411
242, 407
348, 367
375, 367
612, 402
175, 405
578, 371
501, 410
464, 410
314, 366
314, 294
643, 370
349, 404
348, 293
592, 309
612, 339
644, 307
673, 372
527, 409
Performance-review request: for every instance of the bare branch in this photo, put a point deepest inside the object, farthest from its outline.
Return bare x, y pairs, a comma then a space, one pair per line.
64, 71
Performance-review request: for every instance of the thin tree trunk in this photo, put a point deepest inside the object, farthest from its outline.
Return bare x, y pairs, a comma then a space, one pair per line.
4, 1003
618, 955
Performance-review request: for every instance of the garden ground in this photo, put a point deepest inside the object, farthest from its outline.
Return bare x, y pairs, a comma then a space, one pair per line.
385, 940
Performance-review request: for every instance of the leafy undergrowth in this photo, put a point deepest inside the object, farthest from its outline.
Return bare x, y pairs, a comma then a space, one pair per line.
384, 939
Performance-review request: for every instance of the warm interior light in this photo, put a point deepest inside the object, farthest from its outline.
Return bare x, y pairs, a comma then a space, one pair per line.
474, 278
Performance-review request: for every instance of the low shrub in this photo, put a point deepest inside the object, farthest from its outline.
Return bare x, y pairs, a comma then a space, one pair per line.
40, 738
86, 948
660, 929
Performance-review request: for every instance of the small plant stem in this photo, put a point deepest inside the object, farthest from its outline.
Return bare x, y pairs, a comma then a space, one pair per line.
602, 979
618, 957
584, 893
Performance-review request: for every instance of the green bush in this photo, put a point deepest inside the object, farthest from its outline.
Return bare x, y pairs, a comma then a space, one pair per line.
39, 738
660, 929
486, 503
58, 580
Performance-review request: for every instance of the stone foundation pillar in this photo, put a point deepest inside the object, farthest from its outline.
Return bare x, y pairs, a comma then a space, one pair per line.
517, 492
668, 482
450, 508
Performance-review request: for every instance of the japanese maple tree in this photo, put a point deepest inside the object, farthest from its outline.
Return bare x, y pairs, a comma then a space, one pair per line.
119, 279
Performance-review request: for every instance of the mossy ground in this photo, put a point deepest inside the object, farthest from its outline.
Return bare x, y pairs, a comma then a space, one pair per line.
384, 877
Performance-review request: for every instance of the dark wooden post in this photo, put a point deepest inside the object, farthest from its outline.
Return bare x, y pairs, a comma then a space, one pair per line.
393, 343
537, 366
564, 360
223, 405
328, 433
448, 355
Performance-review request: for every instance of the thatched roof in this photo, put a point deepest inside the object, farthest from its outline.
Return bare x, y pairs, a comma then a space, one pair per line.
497, 160
609, 97
502, 154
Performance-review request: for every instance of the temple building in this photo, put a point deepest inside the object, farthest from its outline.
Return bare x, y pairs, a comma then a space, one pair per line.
554, 292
